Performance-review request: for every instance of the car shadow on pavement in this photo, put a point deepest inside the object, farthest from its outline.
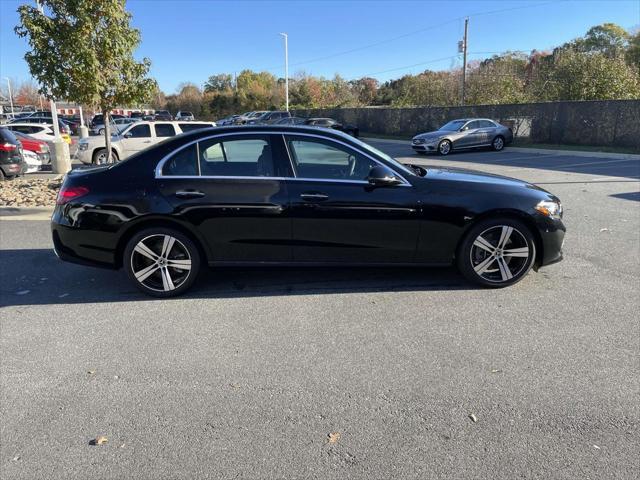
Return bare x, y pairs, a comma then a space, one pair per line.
37, 277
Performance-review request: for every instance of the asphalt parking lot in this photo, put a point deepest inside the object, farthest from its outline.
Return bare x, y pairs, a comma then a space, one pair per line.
249, 374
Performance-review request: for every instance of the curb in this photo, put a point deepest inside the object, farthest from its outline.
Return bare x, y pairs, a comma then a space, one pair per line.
25, 213
540, 151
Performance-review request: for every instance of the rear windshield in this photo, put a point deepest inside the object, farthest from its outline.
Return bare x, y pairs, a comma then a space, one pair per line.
7, 136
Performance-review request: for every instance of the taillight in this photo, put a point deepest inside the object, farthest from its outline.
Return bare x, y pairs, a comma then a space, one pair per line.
66, 194
7, 147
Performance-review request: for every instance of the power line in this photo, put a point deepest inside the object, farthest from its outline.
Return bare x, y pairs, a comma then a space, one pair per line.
404, 35
435, 60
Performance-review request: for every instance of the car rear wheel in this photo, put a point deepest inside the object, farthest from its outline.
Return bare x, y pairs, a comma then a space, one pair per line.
497, 252
101, 131
498, 143
162, 262
100, 156
444, 147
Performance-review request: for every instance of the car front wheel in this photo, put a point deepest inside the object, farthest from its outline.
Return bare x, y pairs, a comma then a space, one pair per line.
497, 252
444, 147
161, 262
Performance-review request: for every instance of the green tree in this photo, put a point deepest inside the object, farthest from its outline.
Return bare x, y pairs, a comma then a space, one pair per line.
633, 51
221, 82
571, 75
82, 51
608, 38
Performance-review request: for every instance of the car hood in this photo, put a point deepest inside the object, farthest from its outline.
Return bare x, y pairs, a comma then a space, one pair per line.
463, 175
430, 135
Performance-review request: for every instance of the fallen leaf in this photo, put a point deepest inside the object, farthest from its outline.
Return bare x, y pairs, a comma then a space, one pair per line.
496, 371
604, 230
91, 372
596, 447
473, 418
16, 458
122, 446
23, 292
334, 437
101, 440
116, 377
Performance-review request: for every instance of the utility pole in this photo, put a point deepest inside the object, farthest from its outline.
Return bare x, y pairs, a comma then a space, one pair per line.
286, 69
464, 58
13, 113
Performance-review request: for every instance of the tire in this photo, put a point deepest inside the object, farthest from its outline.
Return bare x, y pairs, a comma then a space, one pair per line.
444, 147
498, 143
100, 156
101, 131
161, 275
2, 176
496, 252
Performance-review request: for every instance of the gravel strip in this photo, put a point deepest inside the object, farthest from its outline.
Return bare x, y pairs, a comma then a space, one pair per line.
29, 192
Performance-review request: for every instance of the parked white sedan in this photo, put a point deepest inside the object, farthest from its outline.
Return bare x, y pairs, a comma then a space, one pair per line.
32, 160
41, 131
132, 139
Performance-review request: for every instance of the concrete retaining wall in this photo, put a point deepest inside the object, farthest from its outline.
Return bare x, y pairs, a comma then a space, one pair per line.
600, 123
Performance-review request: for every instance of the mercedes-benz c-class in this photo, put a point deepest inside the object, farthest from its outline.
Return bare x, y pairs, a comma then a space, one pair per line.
291, 195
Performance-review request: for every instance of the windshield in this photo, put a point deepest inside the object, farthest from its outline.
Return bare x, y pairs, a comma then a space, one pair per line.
453, 126
391, 160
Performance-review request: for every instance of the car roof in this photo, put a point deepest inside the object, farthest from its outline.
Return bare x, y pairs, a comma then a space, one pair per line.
28, 124
470, 119
272, 128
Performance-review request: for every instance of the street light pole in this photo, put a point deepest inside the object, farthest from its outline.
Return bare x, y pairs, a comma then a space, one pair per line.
286, 69
10, 97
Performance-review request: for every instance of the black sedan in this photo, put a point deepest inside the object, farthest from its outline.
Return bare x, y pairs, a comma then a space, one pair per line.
334, 124
274, 195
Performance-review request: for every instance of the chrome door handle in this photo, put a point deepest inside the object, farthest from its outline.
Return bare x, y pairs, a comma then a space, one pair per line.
189, 194
314, 196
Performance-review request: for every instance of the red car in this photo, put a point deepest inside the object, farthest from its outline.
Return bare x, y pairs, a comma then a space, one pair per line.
39, 147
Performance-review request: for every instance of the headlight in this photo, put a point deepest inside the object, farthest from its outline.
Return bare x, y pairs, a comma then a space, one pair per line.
418, 141
83, 146
550, 209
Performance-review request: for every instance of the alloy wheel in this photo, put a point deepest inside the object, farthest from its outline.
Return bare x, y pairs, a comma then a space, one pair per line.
161, 263
500, 253
498, 143
445, 147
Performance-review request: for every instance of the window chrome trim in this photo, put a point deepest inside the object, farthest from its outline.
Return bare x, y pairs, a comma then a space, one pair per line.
163, 160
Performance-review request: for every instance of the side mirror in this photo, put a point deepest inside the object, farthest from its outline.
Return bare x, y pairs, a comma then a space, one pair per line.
127, 135
380, 176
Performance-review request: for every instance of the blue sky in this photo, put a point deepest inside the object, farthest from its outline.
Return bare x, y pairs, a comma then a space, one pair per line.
189, 40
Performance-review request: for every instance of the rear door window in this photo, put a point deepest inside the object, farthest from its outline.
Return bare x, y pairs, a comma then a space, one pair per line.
140, 131
247, 157
189, 127
165, 130
183, 163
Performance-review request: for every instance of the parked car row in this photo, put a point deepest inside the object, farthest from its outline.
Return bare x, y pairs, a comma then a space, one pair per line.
282, 117
20, 154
